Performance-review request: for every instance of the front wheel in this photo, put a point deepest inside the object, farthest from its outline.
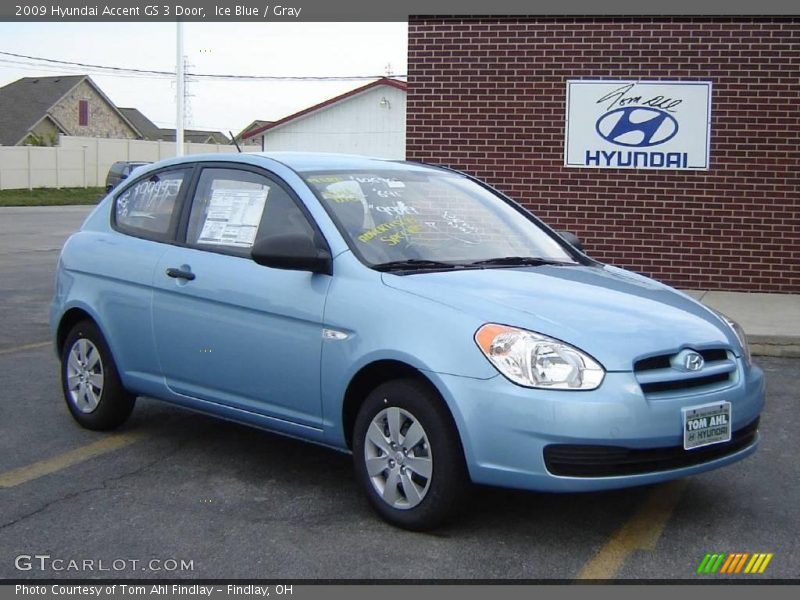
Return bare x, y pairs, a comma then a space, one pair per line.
92, 387
408, 455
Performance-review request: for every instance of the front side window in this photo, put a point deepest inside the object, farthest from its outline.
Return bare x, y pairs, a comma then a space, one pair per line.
428, 215
233, 208
147, 208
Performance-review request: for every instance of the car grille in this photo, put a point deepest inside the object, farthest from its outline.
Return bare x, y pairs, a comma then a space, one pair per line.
657, 376
573, 460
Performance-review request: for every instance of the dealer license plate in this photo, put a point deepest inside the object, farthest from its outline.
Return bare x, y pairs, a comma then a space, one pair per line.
706, 424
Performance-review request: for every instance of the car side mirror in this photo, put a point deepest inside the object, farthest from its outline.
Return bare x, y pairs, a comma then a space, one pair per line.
294, 252
571, 239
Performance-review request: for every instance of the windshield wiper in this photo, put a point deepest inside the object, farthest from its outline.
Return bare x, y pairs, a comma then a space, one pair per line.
518, 260
415, 263
410, 264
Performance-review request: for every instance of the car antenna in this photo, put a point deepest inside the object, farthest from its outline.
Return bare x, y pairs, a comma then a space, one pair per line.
235, 143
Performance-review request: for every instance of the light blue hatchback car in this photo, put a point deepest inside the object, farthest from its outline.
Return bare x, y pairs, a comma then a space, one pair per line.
408, 313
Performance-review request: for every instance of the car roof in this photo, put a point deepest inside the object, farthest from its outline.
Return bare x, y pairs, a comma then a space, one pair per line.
298, 161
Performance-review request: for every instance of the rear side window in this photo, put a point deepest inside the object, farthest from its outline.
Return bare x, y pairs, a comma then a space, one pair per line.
147, 209
234, 208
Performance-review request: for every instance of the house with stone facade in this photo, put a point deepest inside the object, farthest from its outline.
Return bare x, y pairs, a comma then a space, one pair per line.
35, 110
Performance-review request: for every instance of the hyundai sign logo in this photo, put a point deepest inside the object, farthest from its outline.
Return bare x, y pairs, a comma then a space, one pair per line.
638, 125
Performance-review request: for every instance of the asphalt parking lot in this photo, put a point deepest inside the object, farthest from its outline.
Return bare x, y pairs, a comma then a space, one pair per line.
231, 502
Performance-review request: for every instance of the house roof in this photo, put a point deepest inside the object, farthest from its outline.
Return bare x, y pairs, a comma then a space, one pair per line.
148, 129
197, 136
254, 125
24, 102
395, 83
151, 131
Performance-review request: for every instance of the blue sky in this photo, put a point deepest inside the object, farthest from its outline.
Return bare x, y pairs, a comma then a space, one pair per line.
293, 49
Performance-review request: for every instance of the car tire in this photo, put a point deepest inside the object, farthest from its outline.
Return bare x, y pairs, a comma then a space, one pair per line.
408, 455
92, 388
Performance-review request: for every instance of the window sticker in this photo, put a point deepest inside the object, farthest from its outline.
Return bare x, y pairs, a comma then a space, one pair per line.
460, 224
233, 217
395, 183
344, 191
398, 229
410, 228
398, 209
149, 197
324, 179
148, 205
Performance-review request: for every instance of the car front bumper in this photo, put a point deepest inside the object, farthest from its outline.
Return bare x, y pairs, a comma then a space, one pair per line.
505, 429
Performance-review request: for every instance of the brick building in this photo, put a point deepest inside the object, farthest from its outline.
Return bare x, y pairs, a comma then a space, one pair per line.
487, 95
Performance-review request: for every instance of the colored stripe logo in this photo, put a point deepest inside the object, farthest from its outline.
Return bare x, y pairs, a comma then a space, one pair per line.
734, 563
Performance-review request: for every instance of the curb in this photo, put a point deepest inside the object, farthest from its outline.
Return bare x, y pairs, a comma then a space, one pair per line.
774, 345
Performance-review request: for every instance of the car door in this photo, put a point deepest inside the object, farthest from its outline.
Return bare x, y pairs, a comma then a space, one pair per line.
122, 263
228, 330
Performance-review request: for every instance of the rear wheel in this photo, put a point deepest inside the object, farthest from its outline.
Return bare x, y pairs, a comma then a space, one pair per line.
408, 455
92, 387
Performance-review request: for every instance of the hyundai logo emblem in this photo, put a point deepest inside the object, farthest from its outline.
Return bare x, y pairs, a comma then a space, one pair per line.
637, 127
688, 360
693, 361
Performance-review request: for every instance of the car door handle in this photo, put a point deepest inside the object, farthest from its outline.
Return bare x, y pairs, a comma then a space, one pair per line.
180, 274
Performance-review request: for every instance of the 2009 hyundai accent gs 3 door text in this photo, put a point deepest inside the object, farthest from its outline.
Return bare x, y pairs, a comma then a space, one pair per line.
407, 313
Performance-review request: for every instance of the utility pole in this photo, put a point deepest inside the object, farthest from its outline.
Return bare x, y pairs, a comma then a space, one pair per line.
179, 95
187, 94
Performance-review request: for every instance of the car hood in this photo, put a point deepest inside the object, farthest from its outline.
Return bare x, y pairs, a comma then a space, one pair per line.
614, 315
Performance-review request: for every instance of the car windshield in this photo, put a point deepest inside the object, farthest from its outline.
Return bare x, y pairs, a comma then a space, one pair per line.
429, 218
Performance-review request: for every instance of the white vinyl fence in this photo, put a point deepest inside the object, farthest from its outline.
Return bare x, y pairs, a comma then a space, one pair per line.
84, 161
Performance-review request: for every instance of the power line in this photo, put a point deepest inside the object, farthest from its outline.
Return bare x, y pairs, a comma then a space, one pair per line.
64, 62
43, 68
194, 127
207, 76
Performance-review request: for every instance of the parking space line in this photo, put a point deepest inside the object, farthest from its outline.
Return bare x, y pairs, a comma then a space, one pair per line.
640, 532
25, 347
59, 462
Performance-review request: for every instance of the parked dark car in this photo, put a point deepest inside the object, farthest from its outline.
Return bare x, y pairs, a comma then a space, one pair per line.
119, 171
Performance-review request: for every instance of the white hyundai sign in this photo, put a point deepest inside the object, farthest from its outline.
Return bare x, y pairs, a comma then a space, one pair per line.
638, 124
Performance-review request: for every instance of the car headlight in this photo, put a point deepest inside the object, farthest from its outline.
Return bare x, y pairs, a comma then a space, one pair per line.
537, 361
740, 335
